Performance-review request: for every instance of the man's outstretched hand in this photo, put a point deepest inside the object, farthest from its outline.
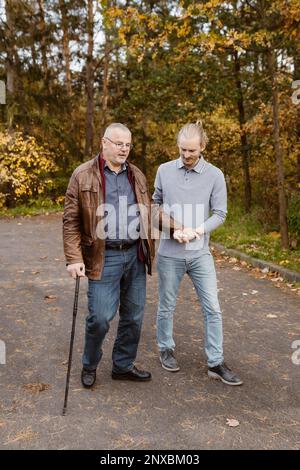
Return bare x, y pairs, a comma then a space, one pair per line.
76, 269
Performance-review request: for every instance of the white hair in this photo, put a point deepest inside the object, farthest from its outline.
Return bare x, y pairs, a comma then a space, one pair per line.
191, 130
115, 125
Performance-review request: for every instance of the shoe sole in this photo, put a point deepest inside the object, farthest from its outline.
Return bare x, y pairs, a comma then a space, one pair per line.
88, 386
215, 376
168, 368
133, 380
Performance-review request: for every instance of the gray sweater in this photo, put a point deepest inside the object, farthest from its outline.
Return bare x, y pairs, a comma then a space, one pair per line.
193, 197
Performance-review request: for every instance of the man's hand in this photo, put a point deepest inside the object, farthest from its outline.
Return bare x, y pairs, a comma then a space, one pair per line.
76, 269
200, 231
185, 235
190, 233
179, 236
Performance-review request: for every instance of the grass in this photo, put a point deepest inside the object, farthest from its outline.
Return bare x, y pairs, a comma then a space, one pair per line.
36, 207
246, 233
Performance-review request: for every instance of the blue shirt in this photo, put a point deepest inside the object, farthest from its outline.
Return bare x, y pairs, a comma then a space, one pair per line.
121, 210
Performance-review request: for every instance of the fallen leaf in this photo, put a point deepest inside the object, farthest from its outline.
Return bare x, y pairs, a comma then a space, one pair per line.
54, 309
236, 268
36, 387
265, 270
50, 297
35, 272
276, 279
23, 322
233, 423
24, 435
254, 292
271, 315
233, 260
244, 293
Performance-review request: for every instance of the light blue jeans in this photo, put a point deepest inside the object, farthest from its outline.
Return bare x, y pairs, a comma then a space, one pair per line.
203, 275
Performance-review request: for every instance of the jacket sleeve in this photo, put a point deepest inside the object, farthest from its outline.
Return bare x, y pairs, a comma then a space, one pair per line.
72, 223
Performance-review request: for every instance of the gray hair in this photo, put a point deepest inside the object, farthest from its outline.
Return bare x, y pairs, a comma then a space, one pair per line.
115, 125
192, 130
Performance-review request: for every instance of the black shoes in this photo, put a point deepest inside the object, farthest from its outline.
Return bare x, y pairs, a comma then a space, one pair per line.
223, 372
88, 377
134, 374
220, 372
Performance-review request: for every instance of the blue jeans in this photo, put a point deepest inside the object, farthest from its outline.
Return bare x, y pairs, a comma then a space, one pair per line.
203, 275
122, 287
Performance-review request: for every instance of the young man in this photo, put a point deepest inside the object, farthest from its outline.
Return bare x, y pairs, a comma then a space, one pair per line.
193, 191
101, 233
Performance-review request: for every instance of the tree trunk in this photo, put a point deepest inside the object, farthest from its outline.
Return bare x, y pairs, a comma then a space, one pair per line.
42, 29
65, 45
297, 77
106, 78
272, 65
10, 65
89, 127
143, 161
244, 141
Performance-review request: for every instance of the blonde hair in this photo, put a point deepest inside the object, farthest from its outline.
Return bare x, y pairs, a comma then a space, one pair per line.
192, 130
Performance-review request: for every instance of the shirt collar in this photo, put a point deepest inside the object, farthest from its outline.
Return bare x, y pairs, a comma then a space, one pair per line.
198, 168
123, 167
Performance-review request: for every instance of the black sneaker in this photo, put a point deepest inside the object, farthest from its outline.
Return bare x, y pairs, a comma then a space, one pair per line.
168, 360
223, 372
88, 377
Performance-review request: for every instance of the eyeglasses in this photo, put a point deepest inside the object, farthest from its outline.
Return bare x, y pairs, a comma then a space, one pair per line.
120, 145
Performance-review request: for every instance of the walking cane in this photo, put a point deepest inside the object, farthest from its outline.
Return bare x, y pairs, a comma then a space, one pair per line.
71, 343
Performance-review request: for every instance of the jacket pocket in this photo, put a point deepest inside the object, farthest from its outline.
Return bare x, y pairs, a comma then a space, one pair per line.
89, 196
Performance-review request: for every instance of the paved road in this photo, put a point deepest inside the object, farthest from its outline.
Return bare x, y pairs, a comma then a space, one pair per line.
174, 411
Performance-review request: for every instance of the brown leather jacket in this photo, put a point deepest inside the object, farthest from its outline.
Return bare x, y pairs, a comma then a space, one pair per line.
82, 222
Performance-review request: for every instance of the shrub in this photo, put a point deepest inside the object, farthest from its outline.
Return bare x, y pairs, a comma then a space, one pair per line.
26, 169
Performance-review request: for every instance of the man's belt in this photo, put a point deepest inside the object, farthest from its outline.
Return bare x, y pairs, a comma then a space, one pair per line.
120, 246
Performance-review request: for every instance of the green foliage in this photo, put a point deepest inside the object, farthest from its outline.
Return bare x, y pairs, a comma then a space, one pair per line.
248, 233
294, 216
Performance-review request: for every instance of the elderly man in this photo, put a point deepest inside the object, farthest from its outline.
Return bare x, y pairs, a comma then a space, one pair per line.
193, 191
102, 234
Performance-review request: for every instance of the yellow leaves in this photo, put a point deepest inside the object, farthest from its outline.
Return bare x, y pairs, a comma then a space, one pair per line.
24, 166
274, 235
284, 262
